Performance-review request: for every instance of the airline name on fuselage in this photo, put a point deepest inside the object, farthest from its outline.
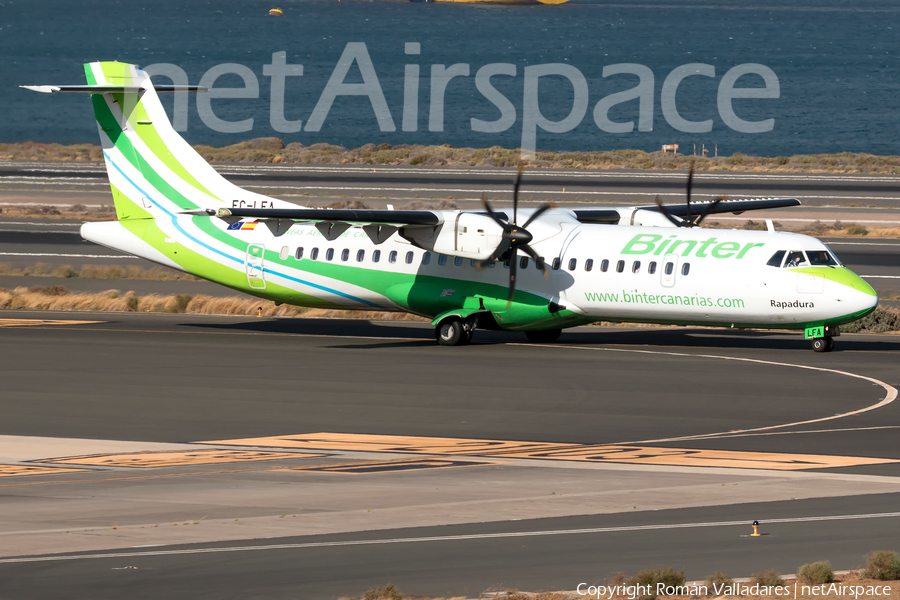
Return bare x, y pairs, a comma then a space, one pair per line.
651, 243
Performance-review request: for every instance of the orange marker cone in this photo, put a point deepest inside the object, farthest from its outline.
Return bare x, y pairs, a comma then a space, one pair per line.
259, 312
755, 529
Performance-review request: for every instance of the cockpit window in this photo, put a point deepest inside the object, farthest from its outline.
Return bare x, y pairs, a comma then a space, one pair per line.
776, 259
795, 258
821, 258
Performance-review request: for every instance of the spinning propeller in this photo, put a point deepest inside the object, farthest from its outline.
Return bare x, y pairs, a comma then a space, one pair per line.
515, 237
689, 220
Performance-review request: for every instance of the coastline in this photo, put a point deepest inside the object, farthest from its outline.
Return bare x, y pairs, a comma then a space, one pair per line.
274, 151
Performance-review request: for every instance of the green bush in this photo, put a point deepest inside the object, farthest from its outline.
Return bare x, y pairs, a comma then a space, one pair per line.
770, 578
883, 565
816, 573
881, 320
182, 301
857, 230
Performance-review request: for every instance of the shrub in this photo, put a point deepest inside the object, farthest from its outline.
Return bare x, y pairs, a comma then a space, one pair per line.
719, 579
857, 230
770, 578
816, 573
652, 577
881, 320
388, 592
883, 565
181, 302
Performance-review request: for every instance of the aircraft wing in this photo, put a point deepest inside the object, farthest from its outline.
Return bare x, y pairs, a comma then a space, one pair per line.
395, 218
612, 216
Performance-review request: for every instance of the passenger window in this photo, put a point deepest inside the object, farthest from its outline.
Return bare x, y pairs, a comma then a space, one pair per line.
329, 254
360, 256
651, 268
670, 268
776, 259
795, 259
457, 261
314, 254
505, 264
392, 257
426, 258
376, 255
285, 252
620, 266
589, 264
345, 254
442, 259
604, 265
636, 267
299, 253
523, 262
556, 263
573, 262
539, 263
685, 268
491, 265
409, 258
473, 262
820, 258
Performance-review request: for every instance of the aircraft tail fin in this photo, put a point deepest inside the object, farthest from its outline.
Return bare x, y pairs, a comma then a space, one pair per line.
152, 169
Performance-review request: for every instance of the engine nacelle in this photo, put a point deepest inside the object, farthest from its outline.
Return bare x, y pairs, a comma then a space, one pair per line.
469, 235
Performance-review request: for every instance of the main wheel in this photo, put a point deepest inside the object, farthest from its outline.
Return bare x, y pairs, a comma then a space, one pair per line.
820, 345
450, 332
544, 336
830, 344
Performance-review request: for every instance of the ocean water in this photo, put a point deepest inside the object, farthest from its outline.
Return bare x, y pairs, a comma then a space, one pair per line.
836, 62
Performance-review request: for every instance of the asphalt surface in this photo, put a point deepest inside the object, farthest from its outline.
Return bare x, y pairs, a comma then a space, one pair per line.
187, 378
45, 180
468, 567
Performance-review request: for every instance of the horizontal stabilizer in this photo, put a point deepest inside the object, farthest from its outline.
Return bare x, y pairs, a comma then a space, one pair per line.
112, 89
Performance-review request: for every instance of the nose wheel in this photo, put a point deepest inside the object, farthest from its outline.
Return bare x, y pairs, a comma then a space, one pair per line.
823, 344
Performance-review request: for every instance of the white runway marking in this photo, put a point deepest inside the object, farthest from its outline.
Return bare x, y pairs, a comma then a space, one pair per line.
890, 391
445, 538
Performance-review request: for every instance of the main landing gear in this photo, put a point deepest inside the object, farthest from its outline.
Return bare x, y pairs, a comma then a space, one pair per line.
453, 332
823, 344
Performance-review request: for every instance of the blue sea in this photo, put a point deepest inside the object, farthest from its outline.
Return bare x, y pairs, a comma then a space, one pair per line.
836, 63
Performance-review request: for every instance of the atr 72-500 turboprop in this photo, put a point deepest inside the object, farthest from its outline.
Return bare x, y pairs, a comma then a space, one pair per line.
465, 269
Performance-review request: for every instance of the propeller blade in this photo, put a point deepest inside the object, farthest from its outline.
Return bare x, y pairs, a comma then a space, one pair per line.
501, 249
541, 263
690, 183
709, 208
513, 260
537, 214
491, 212
516, 192
665, 212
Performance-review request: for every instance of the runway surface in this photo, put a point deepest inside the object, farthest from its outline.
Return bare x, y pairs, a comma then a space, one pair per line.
51, 182
273, 452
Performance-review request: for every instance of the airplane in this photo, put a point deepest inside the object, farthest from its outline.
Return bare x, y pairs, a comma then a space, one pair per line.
537, 271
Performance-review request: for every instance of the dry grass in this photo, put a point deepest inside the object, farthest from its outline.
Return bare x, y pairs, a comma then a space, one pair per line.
58, 298
96, 272
273, 150
104, 212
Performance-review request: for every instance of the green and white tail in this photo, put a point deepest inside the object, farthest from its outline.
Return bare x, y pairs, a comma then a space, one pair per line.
152, 169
